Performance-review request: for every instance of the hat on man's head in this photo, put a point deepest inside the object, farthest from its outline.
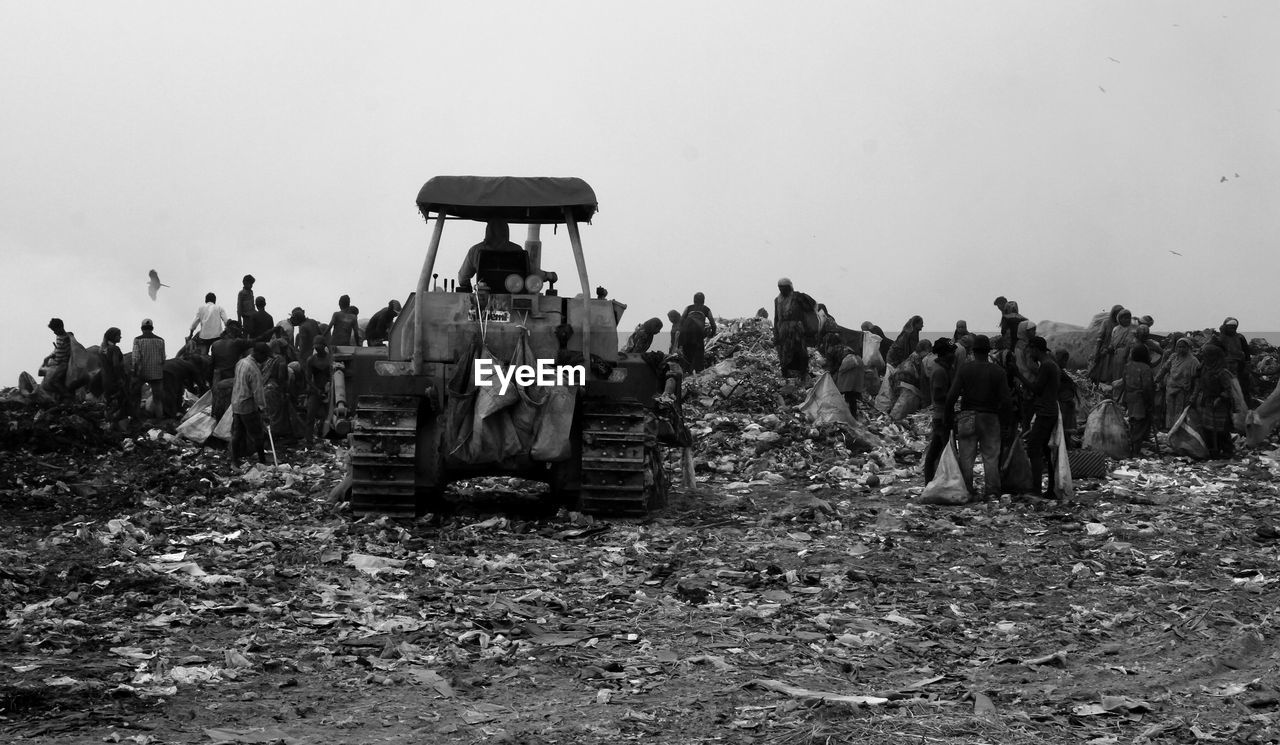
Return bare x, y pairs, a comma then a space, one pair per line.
55, 324
147, 324
943, 346
297, 312
982, 343
248, 279
784, 282
1038, 342
1230, 322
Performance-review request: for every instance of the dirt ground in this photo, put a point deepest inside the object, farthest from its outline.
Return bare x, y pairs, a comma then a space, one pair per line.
151, 595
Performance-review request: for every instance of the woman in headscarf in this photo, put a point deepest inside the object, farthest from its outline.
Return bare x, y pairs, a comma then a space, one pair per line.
275, 389
789, 309
1100, 368
1122, 340
1177, 375
642, 338
907, 341
1010, 320
675, 318
1211, 395
962, 328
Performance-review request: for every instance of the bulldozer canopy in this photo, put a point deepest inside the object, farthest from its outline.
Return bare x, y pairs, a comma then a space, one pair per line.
515, 199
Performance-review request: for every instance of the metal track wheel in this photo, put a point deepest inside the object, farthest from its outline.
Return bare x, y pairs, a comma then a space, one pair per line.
621, 466
383, 444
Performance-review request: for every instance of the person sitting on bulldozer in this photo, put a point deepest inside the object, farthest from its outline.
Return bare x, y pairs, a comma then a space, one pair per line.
493, 259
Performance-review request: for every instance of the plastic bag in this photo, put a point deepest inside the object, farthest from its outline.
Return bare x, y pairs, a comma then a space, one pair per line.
907, 404
947, 486
1015, 470
204, 403
198, 426
1260, 421
1062, 486
884, 398
871, 356
1185, 439
1106, 431
825, 404
1239, 409
551, 435
223, 429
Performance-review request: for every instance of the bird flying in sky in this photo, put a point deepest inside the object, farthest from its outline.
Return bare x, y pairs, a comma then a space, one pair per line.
154, 284
1175, 253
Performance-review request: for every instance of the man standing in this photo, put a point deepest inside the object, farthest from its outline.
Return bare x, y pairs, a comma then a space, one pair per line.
301, 332
260, 323
209, 323
699, 305
1044, 412
378, 331
944, 351
789, 308
148, 366
982, 389
1236, 350
247, 403
244, 301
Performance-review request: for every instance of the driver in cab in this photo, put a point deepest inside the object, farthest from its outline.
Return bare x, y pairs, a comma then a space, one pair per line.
496, 251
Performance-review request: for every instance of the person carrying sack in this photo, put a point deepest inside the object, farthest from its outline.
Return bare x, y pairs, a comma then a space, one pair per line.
982, 390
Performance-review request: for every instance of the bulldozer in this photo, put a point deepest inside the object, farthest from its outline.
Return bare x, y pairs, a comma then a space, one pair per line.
565, 407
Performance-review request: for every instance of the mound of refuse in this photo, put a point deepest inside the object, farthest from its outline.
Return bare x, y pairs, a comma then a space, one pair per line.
749, 430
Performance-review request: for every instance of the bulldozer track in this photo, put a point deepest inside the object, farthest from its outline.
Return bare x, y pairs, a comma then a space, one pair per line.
621, 466
383, 447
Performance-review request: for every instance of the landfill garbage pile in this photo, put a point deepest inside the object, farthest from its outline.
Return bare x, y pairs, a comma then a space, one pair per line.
748, 432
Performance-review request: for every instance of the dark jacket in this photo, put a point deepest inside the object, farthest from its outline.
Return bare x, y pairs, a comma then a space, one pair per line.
980, 385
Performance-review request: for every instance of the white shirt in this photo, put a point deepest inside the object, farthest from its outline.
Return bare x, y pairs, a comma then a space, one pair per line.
211, 319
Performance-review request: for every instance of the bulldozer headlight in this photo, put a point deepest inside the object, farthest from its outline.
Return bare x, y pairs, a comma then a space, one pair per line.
513, 283
533, 284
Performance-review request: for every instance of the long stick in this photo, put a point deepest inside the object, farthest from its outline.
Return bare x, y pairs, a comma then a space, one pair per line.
271, 439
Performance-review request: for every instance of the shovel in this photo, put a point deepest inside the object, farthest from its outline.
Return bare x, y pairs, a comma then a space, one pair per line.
271, 439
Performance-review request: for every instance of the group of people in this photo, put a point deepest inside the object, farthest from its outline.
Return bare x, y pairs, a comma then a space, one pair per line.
690, 330
273, 376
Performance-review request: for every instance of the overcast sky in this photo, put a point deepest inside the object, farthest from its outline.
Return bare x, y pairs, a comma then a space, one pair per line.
892, 158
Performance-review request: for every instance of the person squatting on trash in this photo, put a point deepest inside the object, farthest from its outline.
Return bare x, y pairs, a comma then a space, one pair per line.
248, 401
789, 308
56, 364
983, 392
1044, 412
943, 417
